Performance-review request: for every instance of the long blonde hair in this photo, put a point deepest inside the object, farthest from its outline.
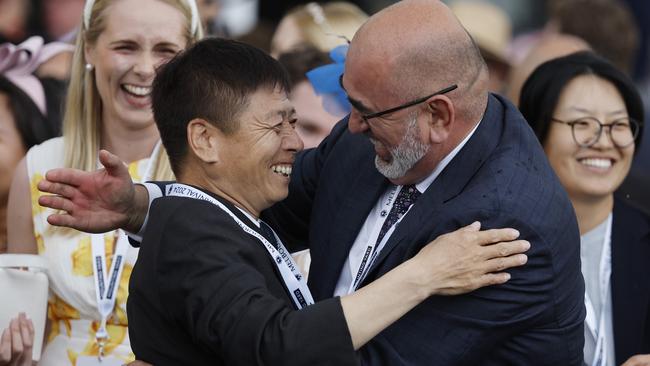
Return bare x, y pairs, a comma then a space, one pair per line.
82, 118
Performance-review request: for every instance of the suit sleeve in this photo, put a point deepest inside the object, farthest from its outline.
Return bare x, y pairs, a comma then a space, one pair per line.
515, 323
209, 273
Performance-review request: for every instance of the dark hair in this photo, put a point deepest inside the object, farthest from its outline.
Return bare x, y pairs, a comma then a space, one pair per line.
31, 124
607, 26
541, 91
211, 80
301, 59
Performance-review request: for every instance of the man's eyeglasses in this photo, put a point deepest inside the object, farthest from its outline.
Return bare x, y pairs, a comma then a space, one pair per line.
586, 131
368, 116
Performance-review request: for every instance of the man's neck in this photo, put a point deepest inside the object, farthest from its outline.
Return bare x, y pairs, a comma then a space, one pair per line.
214, 186
591, 212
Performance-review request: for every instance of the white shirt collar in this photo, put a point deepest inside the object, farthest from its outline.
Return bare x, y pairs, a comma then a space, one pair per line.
426, 182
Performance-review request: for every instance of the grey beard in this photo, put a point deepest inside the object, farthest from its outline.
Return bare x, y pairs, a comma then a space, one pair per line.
409, 151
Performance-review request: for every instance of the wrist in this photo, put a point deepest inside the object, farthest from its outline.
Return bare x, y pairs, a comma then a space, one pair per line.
419, 279
138, 210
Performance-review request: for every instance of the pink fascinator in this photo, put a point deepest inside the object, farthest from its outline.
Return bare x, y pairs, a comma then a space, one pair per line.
18, 63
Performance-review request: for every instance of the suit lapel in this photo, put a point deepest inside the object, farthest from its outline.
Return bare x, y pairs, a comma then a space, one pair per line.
359, 200
449, 184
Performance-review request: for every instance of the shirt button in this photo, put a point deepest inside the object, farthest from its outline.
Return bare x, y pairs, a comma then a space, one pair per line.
383, 213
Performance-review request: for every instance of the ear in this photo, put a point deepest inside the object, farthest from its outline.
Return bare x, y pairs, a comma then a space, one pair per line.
89, 54
441, 115
203, 139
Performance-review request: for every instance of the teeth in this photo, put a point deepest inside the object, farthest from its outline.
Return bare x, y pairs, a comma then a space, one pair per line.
140, 91
282, 169
597, 163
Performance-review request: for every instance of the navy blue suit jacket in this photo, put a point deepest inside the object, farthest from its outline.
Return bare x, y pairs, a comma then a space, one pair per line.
502, 178
630, 281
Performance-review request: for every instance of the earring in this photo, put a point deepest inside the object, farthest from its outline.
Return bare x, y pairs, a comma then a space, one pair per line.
89, 67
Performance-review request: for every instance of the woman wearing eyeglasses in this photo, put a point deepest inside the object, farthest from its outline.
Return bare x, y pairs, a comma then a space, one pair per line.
587, 116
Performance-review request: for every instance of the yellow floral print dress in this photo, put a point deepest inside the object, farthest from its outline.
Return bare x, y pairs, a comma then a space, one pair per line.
72, 309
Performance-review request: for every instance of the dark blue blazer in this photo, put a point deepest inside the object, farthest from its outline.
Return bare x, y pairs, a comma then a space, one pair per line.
630, 281
502, 178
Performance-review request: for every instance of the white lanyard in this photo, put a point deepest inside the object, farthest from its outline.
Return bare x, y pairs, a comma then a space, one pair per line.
374, 248
289, 271
107, 284
604, 276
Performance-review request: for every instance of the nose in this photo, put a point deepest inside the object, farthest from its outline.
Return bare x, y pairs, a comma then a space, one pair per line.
356, 123
145, 66
292, 142
604, 140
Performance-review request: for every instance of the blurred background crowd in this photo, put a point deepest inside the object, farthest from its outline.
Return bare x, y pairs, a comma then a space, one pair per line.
515, 36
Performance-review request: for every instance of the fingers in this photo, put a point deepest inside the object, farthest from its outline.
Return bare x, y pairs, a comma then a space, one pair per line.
475, 226
113, 165
494, 271
27, 336
5, 347
506, 249
491, 236
16, 338
68, 176
501, 264
490, 279
60, 189
57, 203
63, 220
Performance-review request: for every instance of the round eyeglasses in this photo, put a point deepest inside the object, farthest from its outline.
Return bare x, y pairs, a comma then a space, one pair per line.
587, 130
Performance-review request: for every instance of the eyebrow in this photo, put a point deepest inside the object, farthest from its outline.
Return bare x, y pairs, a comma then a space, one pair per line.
134, 42
122, 41
587, 111
620, 111
357, 104
284, 113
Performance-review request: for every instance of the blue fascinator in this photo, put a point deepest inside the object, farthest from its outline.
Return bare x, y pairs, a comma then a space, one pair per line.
325, 80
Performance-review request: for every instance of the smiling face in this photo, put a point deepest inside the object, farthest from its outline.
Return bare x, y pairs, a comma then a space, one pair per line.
399, 139
593, 172
139, 36
257, 158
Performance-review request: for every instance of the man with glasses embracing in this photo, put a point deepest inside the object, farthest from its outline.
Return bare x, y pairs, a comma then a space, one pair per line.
427, 150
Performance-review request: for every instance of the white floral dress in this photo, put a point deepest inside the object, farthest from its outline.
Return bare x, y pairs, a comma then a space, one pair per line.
72, 309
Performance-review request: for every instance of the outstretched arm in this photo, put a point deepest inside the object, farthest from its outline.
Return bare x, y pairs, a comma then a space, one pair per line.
98, 201
454, 263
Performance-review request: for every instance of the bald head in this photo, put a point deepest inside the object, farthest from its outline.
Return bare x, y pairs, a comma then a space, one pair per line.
416, 47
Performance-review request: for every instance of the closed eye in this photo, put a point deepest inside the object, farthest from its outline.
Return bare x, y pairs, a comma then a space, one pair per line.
125, 46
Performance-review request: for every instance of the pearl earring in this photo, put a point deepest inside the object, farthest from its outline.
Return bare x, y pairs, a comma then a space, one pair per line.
89, 67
